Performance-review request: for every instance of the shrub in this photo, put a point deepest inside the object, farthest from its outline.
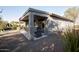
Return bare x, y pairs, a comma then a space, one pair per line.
71, 41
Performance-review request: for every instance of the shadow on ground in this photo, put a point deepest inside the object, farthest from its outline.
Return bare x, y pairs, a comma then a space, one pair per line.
18, 43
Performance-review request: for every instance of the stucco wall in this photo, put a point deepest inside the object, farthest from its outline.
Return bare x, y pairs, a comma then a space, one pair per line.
58, 24
77, 20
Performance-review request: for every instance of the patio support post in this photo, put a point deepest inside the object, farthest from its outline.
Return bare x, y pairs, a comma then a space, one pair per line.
46, 27
31, 26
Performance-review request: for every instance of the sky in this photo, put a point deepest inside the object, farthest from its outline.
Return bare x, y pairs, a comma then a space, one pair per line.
13, 13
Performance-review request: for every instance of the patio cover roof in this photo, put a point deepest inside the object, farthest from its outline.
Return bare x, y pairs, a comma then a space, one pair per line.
44, 12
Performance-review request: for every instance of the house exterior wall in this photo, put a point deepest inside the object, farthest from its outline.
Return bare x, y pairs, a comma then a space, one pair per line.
58, 24
77, 20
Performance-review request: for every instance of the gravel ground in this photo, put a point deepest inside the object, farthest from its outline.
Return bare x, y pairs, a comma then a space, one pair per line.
10, 41
18, 43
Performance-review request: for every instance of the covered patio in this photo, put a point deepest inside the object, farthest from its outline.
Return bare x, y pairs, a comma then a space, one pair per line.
36, 24
39, 23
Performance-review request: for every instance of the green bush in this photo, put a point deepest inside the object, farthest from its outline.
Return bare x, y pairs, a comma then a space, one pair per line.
71, 41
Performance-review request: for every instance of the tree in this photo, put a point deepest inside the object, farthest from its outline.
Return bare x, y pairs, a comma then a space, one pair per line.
3, 25
71, 13
14, 25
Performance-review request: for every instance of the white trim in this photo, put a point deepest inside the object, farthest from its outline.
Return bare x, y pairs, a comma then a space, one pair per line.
25, 16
